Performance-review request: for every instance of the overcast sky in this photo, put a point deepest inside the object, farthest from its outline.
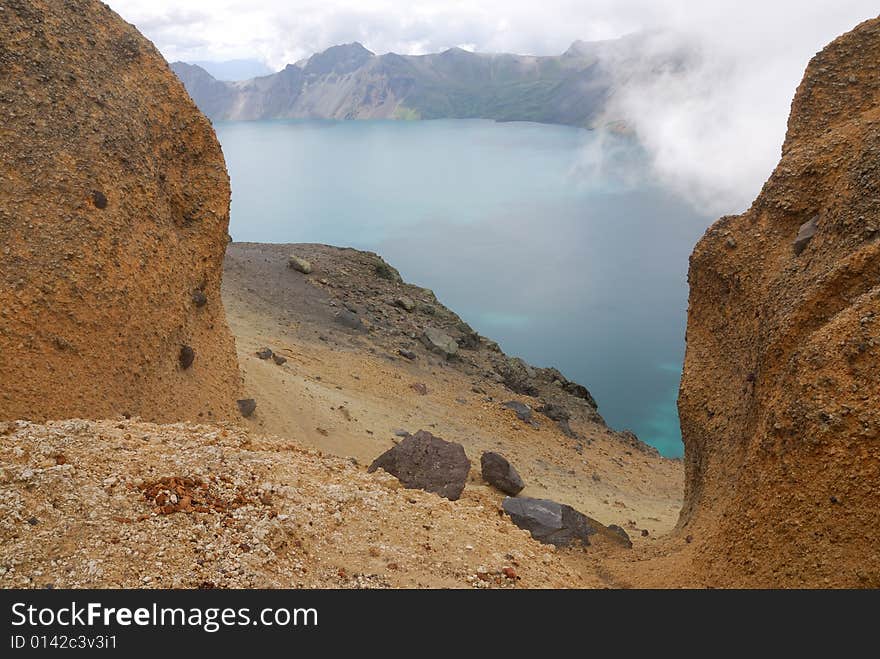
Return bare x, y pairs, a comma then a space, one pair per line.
714, 135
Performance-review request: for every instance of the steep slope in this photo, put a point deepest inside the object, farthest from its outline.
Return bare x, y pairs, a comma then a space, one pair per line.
350, 82
113, 214
780, 401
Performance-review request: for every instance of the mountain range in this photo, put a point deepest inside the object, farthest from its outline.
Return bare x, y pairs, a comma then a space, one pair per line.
351, 82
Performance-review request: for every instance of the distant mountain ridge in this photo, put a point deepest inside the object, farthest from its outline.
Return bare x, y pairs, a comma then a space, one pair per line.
350, 82
235, 69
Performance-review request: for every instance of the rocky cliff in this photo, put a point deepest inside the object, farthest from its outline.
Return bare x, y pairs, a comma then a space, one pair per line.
114, 205
780, 397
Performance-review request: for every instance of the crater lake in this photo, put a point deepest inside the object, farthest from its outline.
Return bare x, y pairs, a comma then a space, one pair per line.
554, 241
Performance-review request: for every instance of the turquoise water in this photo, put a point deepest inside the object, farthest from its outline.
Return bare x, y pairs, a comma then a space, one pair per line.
551, 240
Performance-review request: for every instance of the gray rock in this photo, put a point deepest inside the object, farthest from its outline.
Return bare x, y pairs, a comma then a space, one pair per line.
549, 522
805, 234
498, 472
300, 265
278, 359
264, 353
624, 536
425, 462
523, 411
348, 319
438, 342
246, 406
409, 354
186, 357
404, 303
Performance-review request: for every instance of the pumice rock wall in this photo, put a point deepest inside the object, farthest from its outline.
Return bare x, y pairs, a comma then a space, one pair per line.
780, 396
114, 203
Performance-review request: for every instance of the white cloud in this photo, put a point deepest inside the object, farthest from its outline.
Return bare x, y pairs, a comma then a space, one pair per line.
713, 135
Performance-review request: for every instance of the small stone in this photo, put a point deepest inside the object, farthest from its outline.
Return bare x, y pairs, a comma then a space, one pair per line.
348, 319
420, 388
264, 353
805, 234
278, 359
731, 242
409, 354
246, 406
645, 533
186, 357
498, 472
99, 199
33, 521
199, 298
300, 265
509, 572
438, 342
522, 411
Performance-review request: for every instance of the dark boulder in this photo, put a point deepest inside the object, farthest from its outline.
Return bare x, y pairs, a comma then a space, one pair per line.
99, 199
549, 522
186, 357
278, 359
246, 406
498, 472
409, 354
264, 353
425, 462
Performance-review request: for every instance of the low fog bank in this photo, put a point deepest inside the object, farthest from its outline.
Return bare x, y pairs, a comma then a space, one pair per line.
713, 127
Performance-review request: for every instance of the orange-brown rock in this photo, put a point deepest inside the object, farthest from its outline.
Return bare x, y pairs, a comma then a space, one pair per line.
780, 397
114, 204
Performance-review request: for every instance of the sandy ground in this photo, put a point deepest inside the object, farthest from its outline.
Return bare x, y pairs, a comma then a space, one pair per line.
346, 396
283, 498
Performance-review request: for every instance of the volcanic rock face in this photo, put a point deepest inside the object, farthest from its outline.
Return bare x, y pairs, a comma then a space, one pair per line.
114, 204
780, 397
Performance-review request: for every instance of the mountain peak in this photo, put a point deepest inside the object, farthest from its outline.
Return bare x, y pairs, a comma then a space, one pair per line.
343, 58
